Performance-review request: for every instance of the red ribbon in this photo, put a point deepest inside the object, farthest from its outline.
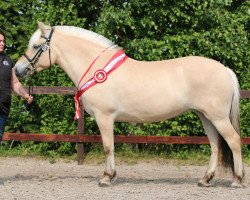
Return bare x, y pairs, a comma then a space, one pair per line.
93, 81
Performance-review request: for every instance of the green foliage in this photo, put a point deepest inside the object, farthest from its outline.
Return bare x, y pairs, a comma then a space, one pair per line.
147, 30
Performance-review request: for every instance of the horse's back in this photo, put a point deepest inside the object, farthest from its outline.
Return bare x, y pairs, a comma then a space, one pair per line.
180, 74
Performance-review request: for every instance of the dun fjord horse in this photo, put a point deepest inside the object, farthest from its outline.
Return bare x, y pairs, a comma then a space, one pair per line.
114, 87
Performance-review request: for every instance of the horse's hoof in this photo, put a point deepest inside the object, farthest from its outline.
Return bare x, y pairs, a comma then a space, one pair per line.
105, 182
237, 185
203, 183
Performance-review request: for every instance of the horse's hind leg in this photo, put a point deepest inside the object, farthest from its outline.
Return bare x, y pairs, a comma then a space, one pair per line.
233, 140
212, 135
105, 124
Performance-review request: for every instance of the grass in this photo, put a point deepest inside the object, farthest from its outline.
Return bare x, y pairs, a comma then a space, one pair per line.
131, 159
125, 154
182, 157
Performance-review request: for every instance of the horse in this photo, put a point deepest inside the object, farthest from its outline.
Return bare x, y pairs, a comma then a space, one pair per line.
116, 88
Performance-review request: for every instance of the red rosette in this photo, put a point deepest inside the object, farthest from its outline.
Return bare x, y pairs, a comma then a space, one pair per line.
100, 76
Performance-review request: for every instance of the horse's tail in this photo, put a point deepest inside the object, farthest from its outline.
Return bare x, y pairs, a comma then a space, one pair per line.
235, 105
226, 155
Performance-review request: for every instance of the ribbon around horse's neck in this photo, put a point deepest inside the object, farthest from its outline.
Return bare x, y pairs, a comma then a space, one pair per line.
99, 76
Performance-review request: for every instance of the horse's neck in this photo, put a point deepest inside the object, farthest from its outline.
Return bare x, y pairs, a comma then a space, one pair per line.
75, 57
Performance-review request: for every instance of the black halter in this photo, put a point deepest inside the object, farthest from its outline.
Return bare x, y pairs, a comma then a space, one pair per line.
44, 47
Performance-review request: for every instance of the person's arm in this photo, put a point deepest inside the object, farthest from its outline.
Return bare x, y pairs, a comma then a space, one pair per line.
17, 87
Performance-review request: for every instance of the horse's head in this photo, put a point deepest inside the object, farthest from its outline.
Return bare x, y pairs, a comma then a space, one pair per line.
38, 56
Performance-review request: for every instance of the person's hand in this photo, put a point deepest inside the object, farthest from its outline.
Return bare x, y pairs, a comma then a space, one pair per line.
29, 99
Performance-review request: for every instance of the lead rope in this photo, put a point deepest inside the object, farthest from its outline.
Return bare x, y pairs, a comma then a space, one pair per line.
26, 105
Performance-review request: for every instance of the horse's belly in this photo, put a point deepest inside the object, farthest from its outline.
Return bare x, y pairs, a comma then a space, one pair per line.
151, 113
129, 117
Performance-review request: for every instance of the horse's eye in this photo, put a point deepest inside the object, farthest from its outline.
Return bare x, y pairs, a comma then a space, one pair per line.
36, 46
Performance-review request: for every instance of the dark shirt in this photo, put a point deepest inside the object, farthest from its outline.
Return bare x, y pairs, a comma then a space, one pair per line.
6, 66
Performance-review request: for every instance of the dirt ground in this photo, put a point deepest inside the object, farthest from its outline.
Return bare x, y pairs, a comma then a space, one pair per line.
29, 179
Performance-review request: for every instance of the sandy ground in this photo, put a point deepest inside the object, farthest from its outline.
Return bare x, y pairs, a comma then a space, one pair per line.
29, 178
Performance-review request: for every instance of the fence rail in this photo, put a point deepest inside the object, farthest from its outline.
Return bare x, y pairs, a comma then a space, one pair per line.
245, 94
39, 137
80, 138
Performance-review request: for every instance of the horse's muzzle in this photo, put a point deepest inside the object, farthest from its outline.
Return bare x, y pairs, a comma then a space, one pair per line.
21, 73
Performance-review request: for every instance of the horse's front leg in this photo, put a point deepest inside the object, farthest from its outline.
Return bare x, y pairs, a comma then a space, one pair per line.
106, 124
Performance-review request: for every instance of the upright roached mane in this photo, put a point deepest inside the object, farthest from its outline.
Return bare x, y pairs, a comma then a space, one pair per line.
78, 32
140, 91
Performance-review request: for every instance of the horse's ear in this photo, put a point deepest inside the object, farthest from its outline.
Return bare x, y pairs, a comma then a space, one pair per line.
43, 27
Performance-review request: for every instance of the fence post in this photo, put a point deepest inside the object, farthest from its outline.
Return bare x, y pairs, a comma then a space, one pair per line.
80, 130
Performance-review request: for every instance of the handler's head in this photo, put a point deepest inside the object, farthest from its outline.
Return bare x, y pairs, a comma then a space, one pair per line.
2, 41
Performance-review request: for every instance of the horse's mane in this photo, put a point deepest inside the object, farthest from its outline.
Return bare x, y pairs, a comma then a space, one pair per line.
86, 34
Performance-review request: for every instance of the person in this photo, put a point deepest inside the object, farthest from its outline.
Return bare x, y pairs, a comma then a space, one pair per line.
8, 83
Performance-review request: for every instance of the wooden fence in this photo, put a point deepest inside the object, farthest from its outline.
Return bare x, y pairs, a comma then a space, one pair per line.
80, 138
